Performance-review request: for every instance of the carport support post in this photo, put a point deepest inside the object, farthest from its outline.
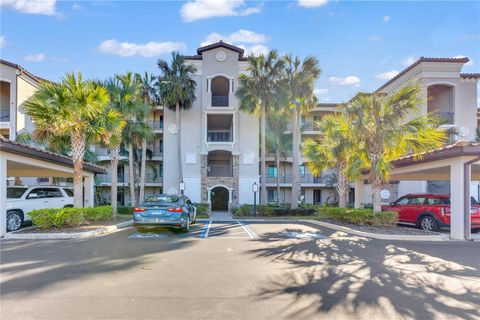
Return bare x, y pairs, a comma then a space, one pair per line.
359, 193
457, 194
3, 195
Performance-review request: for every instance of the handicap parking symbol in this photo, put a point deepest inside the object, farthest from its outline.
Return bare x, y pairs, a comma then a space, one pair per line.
148, 235
305, 235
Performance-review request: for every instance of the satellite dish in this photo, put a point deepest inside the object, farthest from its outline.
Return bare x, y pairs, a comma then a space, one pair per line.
463, 132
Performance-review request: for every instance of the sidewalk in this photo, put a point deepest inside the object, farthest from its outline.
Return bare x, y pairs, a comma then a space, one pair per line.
221, 216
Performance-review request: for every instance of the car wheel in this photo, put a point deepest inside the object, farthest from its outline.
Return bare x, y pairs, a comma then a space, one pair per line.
186, 224
477, 230
428, 223
194, 216
68, 206
14, 220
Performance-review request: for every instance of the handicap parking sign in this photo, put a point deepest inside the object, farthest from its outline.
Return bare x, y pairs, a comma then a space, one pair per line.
148, 235
305, 235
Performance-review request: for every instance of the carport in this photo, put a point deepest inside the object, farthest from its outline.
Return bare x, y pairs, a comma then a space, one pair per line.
458, 163
18, 160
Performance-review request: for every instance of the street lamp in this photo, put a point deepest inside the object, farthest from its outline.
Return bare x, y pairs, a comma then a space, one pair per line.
182, 187
255, 190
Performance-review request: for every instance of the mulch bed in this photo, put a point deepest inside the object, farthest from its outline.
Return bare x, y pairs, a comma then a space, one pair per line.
88, 226
397, 230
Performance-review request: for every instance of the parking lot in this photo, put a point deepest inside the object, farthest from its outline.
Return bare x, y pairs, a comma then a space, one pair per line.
239, 270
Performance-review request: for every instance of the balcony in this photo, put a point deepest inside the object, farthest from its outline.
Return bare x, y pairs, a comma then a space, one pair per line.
155, 125
219, 101
309, 126
154, 151
219, 136
103, 152
153, 178
4, 115
220, 170
107, 178
304, 179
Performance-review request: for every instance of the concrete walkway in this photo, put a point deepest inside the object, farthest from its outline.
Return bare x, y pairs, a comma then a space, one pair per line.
221, 216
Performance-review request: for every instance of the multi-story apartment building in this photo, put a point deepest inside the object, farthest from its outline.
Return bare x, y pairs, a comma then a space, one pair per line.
219, 141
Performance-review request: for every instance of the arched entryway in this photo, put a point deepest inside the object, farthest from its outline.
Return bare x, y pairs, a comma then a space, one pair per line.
219, 197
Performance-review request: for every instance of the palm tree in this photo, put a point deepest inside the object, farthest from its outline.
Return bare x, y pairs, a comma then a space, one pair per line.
177, 91
383, 133
299, 84
335, 147
257, 93
74, 108
277, 139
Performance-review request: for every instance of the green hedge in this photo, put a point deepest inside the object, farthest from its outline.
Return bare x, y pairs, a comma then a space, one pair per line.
124, 210
201, 208
69, 217
360, 216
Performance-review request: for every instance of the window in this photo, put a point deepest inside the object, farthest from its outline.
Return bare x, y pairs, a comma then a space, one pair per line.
435, 201
36, 194
69, 192
272, 171
15, 193
401, 202
53, 193
302, 170
416, 200
272, 195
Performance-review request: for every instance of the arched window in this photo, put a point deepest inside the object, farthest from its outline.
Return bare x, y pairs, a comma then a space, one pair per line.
220, 89
4, 101
441, 101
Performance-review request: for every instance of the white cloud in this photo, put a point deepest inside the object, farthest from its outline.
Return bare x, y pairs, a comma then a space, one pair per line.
347, 81
312, 3
250, 41
408, 61
203, 9
386, 19
149, 49
35, 57
240, 36
320, 92
3, 42
375, 38
387, 75
46, 7
469, 63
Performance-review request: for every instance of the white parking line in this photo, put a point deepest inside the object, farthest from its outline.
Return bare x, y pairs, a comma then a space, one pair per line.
208, 229
249, 231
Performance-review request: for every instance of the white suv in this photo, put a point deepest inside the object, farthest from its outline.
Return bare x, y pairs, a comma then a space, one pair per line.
21, 200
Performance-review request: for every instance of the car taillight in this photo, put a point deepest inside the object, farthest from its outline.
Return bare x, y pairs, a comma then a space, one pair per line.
139, 210
445, 210
175, 209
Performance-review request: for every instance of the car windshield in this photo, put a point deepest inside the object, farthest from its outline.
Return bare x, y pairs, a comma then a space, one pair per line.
161, 200
69, 192
15, 193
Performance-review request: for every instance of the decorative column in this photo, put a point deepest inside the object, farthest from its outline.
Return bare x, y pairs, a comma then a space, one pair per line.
230, 195
359, 193
209, 84
89, 191
457, 191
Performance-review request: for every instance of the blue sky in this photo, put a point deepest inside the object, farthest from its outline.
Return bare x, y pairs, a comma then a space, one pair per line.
359, 44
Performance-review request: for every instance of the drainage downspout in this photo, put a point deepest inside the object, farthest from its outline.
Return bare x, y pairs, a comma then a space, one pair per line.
466, 199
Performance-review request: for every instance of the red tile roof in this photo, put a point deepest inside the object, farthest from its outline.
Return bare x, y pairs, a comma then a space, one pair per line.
423, 59
31, 75
219, 44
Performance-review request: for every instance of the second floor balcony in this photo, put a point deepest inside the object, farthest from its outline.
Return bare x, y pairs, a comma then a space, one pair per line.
153, 178
155, 125
107, 178
304, 179
219, 136
220, 170
219, 101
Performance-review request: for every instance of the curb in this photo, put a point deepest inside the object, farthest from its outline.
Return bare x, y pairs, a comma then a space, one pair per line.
63, 236
380, 236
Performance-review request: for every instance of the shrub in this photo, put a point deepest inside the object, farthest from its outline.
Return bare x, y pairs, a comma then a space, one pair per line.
201, 208
42, 217
243, 210
124, 210
100, 213
385, 218
358, 216
264, 210
48, 218
280, 211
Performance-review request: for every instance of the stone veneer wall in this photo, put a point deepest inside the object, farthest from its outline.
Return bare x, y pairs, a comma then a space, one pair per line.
230, 182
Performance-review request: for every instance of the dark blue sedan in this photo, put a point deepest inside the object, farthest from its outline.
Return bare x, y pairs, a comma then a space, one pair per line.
165, 210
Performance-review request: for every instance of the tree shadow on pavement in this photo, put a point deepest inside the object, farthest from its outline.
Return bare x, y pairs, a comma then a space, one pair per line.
345, 276
27, 267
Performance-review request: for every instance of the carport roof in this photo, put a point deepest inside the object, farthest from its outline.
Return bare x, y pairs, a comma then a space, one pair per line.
7, 145
457, 149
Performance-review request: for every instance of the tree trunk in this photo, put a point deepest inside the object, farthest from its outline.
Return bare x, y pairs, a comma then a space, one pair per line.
179, 146
263, 167
376, 188
143, 165
78, 150
295, 160
114, 157
342, 187
131, 172
277, 160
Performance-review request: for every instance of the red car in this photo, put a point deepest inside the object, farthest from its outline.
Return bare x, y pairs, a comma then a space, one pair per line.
430, 211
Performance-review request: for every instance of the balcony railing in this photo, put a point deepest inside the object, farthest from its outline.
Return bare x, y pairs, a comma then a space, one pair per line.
4, 115
105, 152
219, 101
155, 125
307, 178
153, 178
106, 178
155, 152
220, 170
219, 136
309, 126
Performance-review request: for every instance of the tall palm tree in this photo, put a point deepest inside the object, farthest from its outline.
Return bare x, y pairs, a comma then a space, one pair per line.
147, 92
383, 133
177, 92
335, 147
300, 77
73, 108
277, 139
257, 94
